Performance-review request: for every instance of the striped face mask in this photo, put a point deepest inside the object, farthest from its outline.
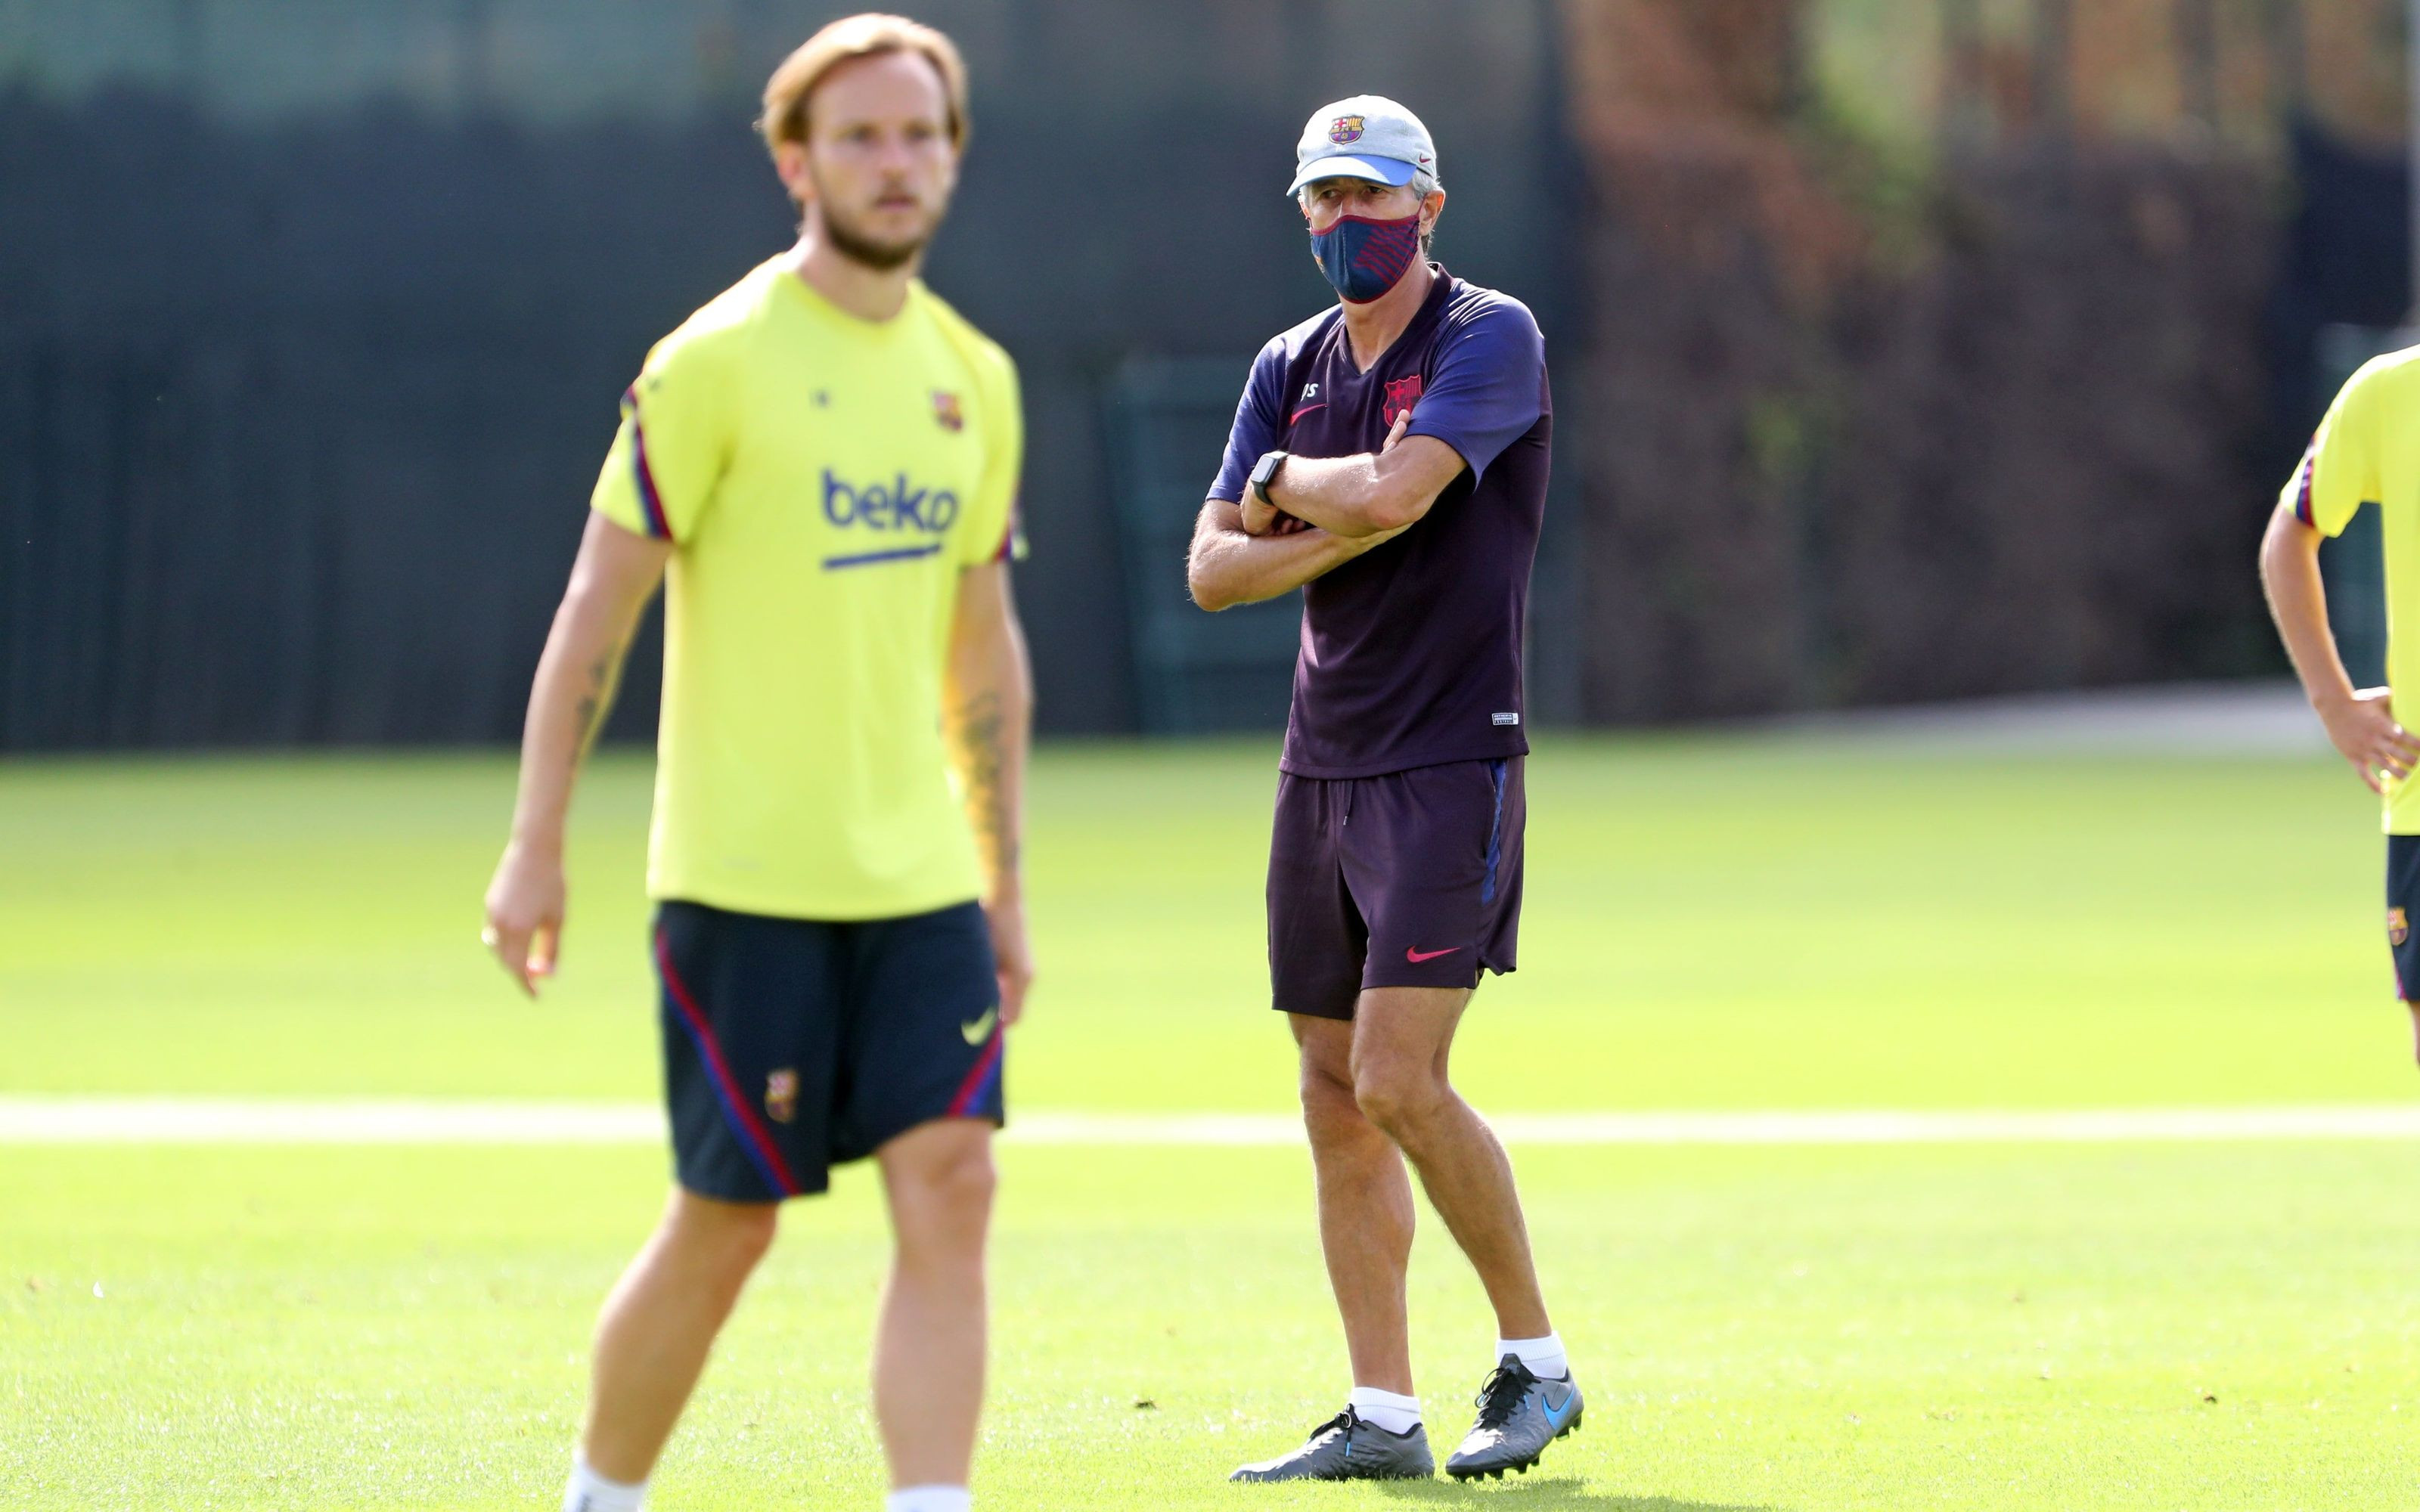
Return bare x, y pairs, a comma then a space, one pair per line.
1364, 259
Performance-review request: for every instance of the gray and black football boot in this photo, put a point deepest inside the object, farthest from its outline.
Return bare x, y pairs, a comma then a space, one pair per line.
1518, 1416
1346, 1448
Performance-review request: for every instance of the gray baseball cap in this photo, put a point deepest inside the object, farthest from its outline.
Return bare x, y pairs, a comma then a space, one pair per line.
1366, 136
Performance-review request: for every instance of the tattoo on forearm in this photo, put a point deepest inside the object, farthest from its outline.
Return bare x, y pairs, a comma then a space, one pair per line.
981, 727
597, 697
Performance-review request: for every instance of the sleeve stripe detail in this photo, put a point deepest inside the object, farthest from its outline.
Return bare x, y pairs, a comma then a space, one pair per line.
649, 500
2302, 486
1008, 535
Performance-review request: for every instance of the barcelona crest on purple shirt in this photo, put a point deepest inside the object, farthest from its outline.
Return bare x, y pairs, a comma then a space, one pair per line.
1345, 130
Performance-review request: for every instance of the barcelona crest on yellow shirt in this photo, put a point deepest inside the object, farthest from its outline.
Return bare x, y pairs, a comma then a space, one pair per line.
945, 410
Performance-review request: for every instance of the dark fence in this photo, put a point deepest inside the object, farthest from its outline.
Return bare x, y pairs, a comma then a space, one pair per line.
298, 415
301, 417
301, 424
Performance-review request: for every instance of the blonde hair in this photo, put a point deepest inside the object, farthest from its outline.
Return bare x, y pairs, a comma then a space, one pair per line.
788, 93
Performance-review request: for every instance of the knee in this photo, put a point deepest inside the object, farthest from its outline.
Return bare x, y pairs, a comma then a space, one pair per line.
1397, 1098
724, 1238
1327, 1100
965, 1183
944, 1203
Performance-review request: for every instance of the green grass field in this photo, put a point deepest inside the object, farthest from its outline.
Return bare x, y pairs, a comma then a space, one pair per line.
1712, 924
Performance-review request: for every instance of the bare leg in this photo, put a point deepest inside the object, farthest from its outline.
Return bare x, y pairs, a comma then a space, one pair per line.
661, 1320
1365, 1208
1402, 1037
929, 1357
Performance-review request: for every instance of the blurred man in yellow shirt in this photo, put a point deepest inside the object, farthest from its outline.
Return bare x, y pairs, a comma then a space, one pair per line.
823, 464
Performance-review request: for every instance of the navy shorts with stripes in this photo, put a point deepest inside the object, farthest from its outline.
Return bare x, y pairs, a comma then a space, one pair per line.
2402, 906
793, 1045
1412, 879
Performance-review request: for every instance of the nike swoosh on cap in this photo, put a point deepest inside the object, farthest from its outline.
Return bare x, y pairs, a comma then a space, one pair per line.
1418, 956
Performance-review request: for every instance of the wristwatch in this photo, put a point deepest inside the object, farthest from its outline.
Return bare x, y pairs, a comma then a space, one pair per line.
1264, 472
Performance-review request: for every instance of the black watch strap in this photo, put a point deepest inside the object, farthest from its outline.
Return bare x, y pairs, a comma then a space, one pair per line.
1264, 472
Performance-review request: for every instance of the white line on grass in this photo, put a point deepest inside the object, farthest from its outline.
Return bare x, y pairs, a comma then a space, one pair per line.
35, 1119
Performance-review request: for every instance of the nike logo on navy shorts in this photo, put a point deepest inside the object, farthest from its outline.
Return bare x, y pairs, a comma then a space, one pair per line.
1408, 879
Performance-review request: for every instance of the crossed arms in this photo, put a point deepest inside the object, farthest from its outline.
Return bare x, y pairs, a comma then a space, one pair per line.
1327, 511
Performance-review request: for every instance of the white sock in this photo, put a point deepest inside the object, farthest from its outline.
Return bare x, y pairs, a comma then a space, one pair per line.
930, 1499
592, 1493
1392, 1411
1544, 1357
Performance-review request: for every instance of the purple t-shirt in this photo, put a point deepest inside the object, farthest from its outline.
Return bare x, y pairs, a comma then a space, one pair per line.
1411, 653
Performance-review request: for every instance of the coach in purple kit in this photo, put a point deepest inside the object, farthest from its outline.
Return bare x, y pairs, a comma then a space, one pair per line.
1388, 459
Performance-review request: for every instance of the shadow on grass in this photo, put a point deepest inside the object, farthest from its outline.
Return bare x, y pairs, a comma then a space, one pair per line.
1543, 1494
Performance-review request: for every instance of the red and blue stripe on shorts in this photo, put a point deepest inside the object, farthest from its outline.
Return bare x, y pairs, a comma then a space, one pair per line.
755, 1140
984, 1080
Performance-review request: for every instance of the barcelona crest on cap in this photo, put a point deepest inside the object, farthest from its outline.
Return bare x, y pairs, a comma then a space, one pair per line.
1345, 128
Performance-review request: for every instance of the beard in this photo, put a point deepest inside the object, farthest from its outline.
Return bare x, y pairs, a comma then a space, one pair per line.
863, 249
882, 256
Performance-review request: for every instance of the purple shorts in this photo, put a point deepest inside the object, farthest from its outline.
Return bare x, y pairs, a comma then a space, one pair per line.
1412, 879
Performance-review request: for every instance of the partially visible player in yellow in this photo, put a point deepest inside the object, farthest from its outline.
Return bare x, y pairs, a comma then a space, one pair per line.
823, 463
2366, 452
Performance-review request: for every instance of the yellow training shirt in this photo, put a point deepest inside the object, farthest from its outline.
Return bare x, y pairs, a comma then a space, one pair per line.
2367, 452
824, 480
